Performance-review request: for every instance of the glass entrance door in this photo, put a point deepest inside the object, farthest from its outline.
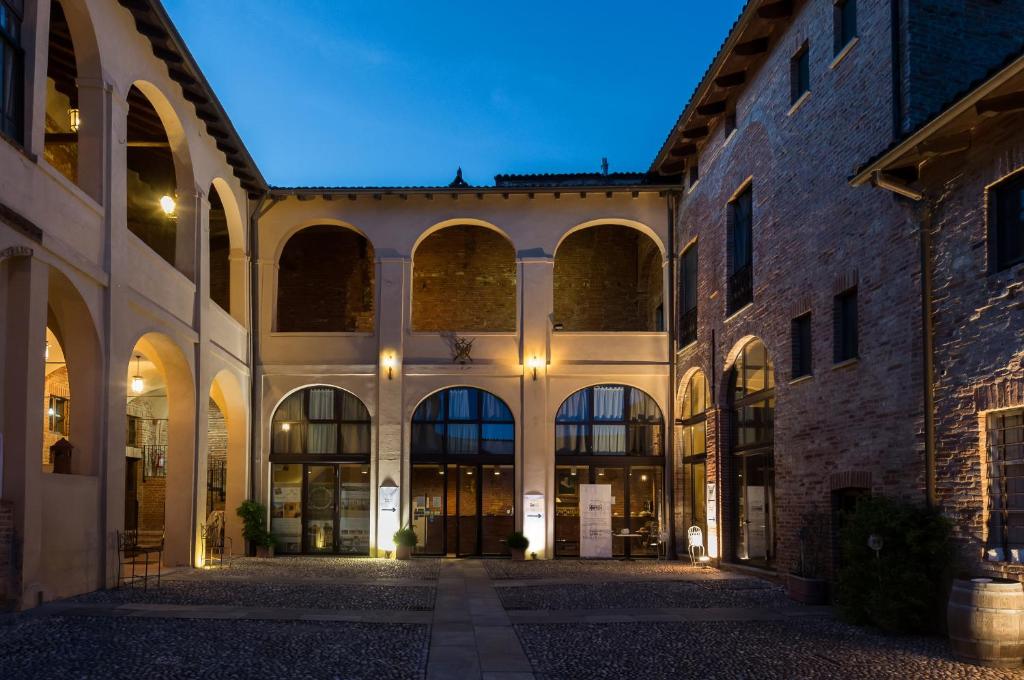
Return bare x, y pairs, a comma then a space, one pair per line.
469, 511
321, 509
755, 512
497, 508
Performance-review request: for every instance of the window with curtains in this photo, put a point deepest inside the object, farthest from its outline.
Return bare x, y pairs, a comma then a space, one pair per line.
609, 420
462, 421
322, 421
12, 67
741, 251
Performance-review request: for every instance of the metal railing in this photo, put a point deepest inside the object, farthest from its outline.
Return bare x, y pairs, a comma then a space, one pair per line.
741, 289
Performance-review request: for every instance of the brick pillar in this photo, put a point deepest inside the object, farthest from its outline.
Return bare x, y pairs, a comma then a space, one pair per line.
719, 472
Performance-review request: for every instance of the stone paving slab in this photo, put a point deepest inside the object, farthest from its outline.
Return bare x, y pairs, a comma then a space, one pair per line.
624, 615
742, 592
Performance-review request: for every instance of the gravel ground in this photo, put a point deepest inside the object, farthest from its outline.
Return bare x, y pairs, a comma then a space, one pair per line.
739, 592
247, 593
118, 647
586, 569
334, 568
804, 650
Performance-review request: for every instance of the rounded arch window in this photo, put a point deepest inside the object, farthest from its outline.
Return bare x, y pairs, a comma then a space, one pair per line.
321, 420
462, 421
753, 384
609, 420
696, 397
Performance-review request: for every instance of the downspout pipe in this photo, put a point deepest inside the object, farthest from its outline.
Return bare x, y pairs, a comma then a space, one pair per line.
897, 68
670, 325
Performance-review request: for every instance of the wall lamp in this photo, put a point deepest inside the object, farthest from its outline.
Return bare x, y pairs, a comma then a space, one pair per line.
168, 205
534, 363
389, 363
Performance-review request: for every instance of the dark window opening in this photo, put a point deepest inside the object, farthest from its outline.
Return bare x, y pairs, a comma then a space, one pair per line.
845, 19
151, 179
1006, 482
61, 117
688, 296
845, 326
12, 70
800, 74
220, 253
741, 248
801, 338
1006, 224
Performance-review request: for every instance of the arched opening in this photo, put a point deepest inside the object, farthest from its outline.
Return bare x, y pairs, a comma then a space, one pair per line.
752, 399
614, 435
463, 473
73, 366
693, 439
320, 473
464, 279
227, 460
152, 179
216, 462
608, 278
63, 111
325, 282
160, 448
220, 252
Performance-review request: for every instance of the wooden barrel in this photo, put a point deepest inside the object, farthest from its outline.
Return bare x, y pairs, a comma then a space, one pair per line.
986, 621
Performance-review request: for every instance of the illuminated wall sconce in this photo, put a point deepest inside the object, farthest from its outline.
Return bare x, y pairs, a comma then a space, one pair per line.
286, 427
389, 363
74, 119
138, 384
168, 205
534, 363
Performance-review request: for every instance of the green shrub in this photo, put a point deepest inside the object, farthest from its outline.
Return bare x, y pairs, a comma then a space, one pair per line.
254, 521
406, 537
902, 588
517, 541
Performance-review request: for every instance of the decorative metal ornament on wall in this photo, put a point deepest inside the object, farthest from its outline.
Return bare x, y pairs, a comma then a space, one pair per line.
461, 348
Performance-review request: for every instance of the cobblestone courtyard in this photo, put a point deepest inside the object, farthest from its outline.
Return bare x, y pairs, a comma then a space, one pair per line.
361, 618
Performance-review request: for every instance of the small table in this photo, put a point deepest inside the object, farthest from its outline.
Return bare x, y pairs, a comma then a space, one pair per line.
629, 555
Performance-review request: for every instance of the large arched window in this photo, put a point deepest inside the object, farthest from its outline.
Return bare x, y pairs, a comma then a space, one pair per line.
694, 447
463, 473
464, 279
752, 383
608, 278
462, 421
609, 420
611, 434
325, 282
321, 420
320, 473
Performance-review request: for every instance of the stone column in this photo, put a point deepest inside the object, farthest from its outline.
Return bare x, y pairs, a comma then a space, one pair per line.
27, 291
536, 454
393, 273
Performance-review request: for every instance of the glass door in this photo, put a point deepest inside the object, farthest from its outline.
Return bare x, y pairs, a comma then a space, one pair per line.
615, 477
321, 508
497, 508
645, 502
756, 532
468, 510
354, 509
428, 514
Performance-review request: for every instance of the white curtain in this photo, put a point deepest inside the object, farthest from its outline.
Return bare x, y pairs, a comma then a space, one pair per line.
609, 439
355, 438
352, 408
462, 439
321, 404
642, 408
574, 408
459, 406
572, 438
494, 409
323, 438
608, 403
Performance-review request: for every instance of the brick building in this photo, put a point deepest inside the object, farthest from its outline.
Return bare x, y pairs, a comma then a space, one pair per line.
744, 338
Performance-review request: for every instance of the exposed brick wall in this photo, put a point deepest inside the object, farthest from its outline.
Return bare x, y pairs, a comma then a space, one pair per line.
151, 490
978, 326
464, 279
8, 566
325, 282
217, 449
607, 278
813, 234
951, 43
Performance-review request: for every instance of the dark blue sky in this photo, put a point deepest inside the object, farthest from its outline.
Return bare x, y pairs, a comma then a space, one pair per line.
335, 92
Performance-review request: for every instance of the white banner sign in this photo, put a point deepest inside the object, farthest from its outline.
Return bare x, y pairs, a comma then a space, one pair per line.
533, 520
711, 540
595, 520
388, 516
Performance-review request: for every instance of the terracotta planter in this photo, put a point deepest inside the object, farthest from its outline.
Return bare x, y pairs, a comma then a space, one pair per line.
517, 555
403, 552
264, 551
807, 590
986, 622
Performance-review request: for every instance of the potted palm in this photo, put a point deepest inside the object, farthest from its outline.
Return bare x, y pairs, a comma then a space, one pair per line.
405, 540
254, 528
517, 544
807, 584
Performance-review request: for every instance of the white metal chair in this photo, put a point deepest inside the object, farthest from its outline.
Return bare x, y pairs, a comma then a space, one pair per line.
695, 544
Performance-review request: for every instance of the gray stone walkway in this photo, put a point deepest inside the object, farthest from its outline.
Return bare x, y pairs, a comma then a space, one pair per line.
471, 634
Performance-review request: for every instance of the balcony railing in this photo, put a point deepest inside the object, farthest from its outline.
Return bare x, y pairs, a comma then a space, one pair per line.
741, 289
687, 327
154, 461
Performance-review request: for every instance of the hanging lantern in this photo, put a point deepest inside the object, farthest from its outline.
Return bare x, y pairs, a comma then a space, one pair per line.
138, 384
74, 119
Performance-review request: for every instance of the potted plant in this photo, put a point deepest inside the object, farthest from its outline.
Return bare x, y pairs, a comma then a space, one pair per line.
254, 521
517, 544
405, 540
808, 584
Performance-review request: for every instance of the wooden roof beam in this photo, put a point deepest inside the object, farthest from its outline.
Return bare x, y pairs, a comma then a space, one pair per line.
683, 150
734, 79
712, 108
751, 48
1001, 103
697, 132
782, 9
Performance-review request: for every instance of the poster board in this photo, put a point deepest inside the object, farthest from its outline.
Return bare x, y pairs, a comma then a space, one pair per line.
533, 520
595, 520
711, 540
388, 516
